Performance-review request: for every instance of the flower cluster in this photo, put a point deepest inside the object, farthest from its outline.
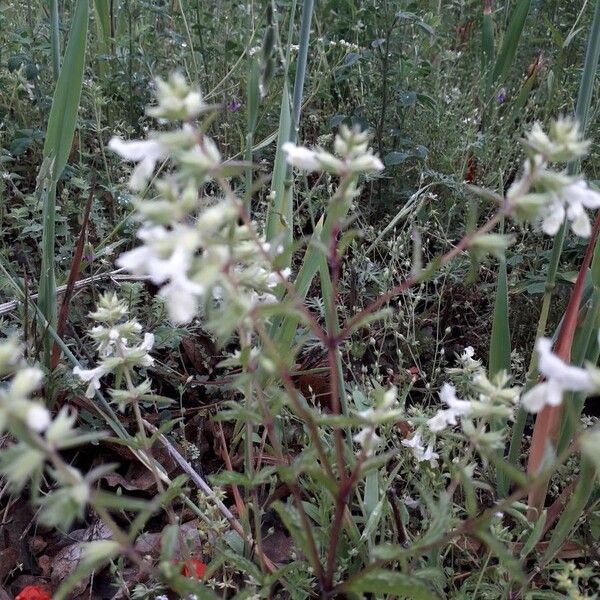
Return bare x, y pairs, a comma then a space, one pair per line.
483, 400
120, 347
198, 249
352, 155
419, 451
456, 408
385, 410
548, 195
17, 408
39, 438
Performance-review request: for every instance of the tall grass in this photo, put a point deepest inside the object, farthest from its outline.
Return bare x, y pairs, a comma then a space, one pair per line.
280, 216
57, 146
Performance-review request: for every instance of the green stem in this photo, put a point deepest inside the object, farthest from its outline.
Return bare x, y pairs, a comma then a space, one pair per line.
307, 12
55, 38
47, 299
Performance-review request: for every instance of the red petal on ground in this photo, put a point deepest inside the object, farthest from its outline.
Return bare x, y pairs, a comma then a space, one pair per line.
33, 592
193, 568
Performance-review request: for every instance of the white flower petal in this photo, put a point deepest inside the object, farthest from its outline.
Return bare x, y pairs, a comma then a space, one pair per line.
301, 157
558, 372
437, 422
91, 375
181, 295
442, 419
581, 225
144, 152
540, 395
553, 219
148, 341
413, 442
581, 193
38, 418
448, 396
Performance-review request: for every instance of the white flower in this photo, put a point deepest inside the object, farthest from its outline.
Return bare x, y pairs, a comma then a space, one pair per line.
429, 455
176, 100
413, 442
167, 256
301, 157
38, 418
25, 382
571, 201
366, 163
419, 452
91, 375
389, 398
560, 377
144, 152
350, 145
202, 157
448, 396
367, 439
555, 369
146, 360
441, 420
274, 279
446, 417
148, 342
181, 296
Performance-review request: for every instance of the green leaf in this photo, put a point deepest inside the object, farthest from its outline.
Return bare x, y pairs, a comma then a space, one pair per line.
499, 359
505, 556
65, 103
277, 208
291, 521
103, 20
57, 146
511, 39
384, 581
168, 543
577, 502
535, 536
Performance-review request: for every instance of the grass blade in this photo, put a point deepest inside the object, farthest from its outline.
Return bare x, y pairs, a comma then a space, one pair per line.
55, 38
65, 103
252, 95
57, 145
73, 275
103, 20
280, 219
500, 346
487, 47
276, 213
499, 359
573, 510
510, 41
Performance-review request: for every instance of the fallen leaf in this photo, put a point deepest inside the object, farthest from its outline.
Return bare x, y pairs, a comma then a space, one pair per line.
149, 543
67, 560
9, 559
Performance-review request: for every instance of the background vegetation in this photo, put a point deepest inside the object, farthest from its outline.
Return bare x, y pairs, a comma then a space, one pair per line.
447, 91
